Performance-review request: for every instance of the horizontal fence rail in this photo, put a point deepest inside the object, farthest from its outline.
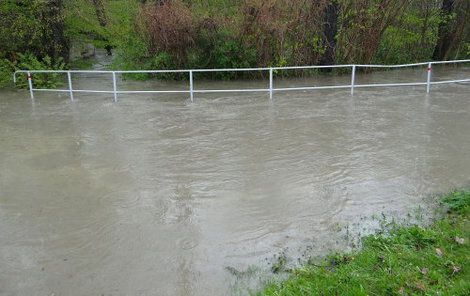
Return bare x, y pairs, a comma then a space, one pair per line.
270, 90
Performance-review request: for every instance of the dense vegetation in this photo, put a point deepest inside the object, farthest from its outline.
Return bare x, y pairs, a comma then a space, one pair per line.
408, 261
159, 34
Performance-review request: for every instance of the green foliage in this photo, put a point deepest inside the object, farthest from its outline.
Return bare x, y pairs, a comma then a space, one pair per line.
82, 64
31, 37
41, 80
223, 33
410, 40
132, 54
408, 261
83, 25
32, 26
458, 202
18, 27
6, 72
229, 53
221, 50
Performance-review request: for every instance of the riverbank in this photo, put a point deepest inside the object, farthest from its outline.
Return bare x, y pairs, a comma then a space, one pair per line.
410, 260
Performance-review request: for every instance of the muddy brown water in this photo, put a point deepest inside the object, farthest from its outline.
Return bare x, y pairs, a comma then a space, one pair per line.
155, 195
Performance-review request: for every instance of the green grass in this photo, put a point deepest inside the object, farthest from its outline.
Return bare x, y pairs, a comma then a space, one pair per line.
82, 63
409, 260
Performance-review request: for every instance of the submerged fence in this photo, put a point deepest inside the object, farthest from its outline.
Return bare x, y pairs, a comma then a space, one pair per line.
270, 90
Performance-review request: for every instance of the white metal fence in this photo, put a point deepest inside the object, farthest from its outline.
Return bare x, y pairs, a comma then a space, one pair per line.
270, 90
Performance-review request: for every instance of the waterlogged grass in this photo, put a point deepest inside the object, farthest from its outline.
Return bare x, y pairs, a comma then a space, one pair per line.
409, 260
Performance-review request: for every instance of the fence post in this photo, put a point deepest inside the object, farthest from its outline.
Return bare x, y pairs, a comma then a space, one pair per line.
428, 81
191, 85
353, 79
69, 76
30, 83
271, 83
114, 86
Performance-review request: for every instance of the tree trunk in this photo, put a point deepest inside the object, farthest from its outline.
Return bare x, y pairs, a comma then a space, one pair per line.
425, 5
444, 32
100, 12
329, 31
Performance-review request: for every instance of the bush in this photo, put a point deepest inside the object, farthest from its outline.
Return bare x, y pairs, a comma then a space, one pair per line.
458, 202
32, 26
41, 80
410, 40
6, 72
220, 48
169, 27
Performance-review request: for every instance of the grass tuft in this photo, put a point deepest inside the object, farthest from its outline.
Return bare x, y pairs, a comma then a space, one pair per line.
458, 202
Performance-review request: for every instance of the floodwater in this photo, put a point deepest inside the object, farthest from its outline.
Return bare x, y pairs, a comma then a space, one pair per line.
155, 195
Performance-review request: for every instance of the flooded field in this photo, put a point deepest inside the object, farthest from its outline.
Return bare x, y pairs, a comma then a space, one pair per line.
155, 195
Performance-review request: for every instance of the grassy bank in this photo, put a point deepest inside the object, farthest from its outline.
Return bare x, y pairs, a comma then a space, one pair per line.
408, 261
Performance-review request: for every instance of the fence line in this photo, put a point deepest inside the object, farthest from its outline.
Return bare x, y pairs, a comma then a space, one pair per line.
270, 90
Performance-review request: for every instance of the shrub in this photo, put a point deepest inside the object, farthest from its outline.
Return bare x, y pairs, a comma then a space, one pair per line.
458, 202
32, 26
41, 80
6, 71
169, 27
411, 39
